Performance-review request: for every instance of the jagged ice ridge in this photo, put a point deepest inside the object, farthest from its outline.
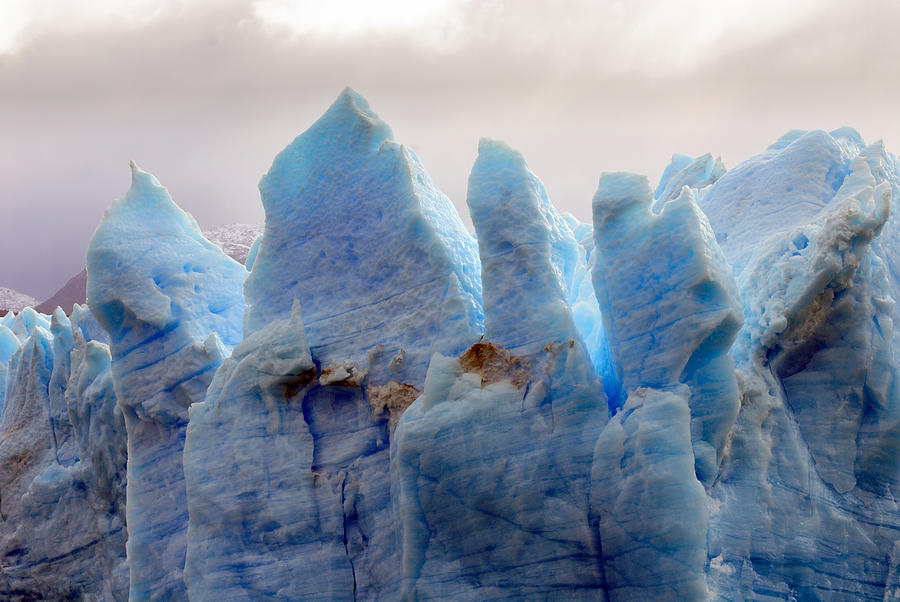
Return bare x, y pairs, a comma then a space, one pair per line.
694, 397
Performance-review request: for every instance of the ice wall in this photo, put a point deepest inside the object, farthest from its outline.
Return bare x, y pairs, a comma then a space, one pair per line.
815, 443
491, 466
784, 186
649, 508
261, 523
694, 397
62, 449
367, 235
367, 263
171, 302
670, 305
9, 343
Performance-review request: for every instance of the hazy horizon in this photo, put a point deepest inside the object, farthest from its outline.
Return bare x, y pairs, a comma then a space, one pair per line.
205, 94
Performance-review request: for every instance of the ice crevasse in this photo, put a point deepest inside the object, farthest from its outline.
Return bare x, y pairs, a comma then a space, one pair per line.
693, 397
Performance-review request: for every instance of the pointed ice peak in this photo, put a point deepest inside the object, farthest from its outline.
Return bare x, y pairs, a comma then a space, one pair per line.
860, 177
142, 181
24, 323
148, 198
347, 135
497, 149
351, 119
148, 207
522, 237
354, 102
137, 173
619, 193
499, 166
346, 208
59, 322
848, 137
876, 147
502, 185
881, 163
501, 181
698, 173
9, 342
867, 199
149, 256
677, 163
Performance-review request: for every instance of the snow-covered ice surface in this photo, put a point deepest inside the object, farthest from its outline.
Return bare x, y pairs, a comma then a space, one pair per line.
694, 397
11, 300
235, 239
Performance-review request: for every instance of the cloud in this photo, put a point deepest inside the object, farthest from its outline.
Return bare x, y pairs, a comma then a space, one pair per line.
205, 94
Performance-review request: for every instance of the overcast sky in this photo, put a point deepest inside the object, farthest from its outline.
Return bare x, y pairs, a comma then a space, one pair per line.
204, 94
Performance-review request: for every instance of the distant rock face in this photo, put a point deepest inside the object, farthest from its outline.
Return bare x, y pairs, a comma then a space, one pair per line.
697, 396
11, 300
73, 293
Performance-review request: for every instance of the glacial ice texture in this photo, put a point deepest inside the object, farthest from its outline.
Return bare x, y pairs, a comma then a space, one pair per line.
171, 302
693, 397
521, 412
357, 231
62, 449
364, 271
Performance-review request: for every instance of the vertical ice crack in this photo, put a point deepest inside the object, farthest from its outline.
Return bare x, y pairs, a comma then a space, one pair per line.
53, 431
343, 477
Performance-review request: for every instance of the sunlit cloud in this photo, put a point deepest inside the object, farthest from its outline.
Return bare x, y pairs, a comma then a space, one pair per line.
434, 23
23, 20
639, 36
14, 19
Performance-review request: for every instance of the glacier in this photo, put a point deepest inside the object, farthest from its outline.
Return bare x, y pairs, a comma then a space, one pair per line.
172, 304
695, 396
521, 411
336, 364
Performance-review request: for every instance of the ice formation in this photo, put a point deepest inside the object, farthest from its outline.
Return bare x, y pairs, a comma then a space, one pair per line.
694, 397
235, 240
522, 412
62, 449
338, 338
171, 302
